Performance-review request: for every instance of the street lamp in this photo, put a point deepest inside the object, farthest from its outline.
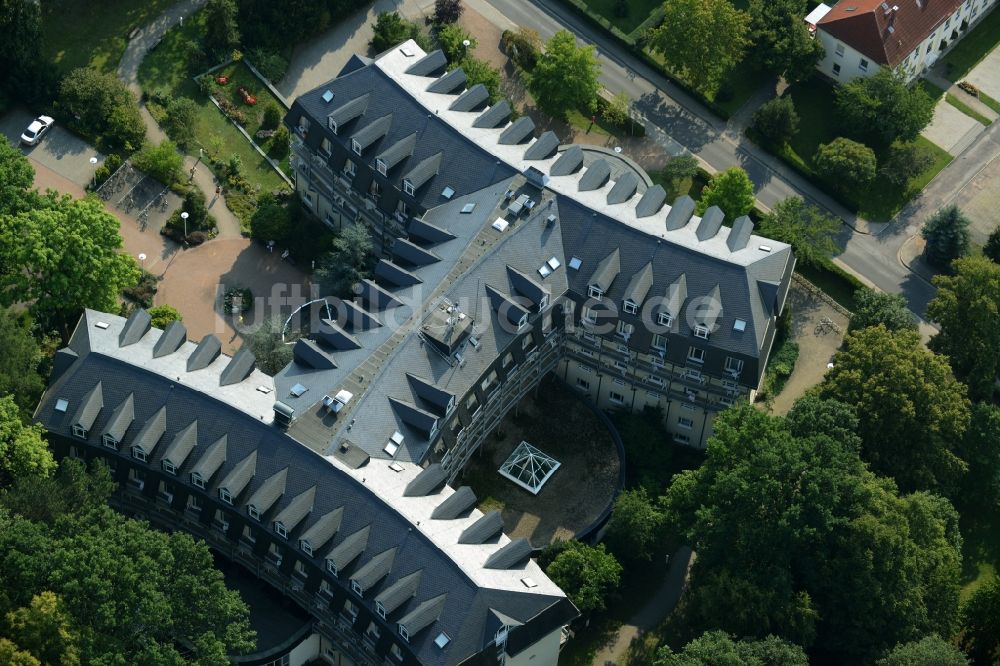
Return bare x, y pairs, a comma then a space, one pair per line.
93, 179
142, 259
184, 216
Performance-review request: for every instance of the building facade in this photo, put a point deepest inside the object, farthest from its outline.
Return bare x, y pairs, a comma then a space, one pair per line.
861, 37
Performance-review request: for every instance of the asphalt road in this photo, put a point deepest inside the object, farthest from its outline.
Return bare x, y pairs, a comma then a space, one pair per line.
873, 256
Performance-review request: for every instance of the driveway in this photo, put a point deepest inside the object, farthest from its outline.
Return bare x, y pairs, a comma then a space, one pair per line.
60, 150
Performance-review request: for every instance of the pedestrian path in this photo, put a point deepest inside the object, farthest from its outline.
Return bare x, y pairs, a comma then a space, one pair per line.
128, 71
971, 101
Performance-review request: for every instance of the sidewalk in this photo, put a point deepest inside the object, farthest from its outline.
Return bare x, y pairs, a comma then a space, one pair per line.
969, 100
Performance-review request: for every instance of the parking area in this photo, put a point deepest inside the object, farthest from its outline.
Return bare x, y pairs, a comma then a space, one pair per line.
60, 150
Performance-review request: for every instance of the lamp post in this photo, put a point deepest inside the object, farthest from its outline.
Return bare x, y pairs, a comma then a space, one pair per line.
93, 179
184, 216
142, 260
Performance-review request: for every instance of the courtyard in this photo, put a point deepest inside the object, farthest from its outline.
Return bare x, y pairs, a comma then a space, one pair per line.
560, 424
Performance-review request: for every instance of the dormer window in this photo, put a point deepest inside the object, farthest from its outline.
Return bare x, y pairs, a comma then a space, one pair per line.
333, 125
355, 146
356, 587
522, 322
169, 467
197, 480
109, 442
279, 528
630, 307
253, 512
595, 292
79, 431
225, 496
404, 633
382, 168
138, 453
665, 319
408, 188
332, 568
306, 547
701, 332
544, 302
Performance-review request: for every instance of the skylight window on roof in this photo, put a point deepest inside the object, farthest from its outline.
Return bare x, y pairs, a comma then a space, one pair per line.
406, 51
553, 263
62, 404
575, 263
468, 208
448, 193
764, 248
390, 449
529, 582
298, 390
397, 438
442, 640
103, 325
545, 271
264, 389
328, 96
739, 325
395, 467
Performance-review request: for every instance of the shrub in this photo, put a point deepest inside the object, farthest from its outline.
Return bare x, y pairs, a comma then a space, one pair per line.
776, 121
162, 162
103, 108
947, 236
111, 164
523, 46
904, 162
270, 65
162, 315
197, 237
447, 11
142, 293
480, 71
280, 143
182, 113
845, 164
452, 38
272, 116
271, 221
390, 29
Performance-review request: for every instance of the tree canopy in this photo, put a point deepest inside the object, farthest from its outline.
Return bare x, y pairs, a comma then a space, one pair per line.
980, 632
161, 315
992, 247
587, 574
702, 40
17, 178
781, 41
19, 363
447, 11
347, 263
23, 451
103, 108
565, 76
873, 307
730, 190
222, 30
928, 651
846, 164
912, 410
947, 236
636, 526
115, 590
776, 120
981, 450
883, 108
967, 308
809, 230
62, 258
271, 352
717, 648
796, 537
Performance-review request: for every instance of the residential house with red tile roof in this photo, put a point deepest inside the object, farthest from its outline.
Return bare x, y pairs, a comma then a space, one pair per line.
861, 36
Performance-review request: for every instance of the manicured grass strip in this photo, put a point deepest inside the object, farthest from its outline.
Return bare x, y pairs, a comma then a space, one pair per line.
835, 282
989, 101
974, 47
932, 90
76, 33
967, 110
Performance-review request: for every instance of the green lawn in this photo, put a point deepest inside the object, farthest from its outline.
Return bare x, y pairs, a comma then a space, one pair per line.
814, 102
980, 549
974, 47
166, 69
76, 33
638, 11
835, 283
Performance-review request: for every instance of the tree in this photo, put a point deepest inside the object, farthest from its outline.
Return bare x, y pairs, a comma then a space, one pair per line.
447, 11
979, 635
347, 263
905, 162
12, 655
272, 221
967, 308
391, 29
928, 651
781, 41
280, 144
276, 25
992, 247
809, 230
636, 526
845, 164
912, 411
222, 30
268, 348
873, 307
64, 258
17, 180
162, 315
730, 190
480, 71
812, 416
163, 162
702, 40
565, 76
678, 171
182, 114
616, 110
45, 630
883, 107
23, 451
587, 574
981, 450
19, 362
947, 236
24, 72
272, 115
102, 107
452, 39
795, 535
777, 120
717, 648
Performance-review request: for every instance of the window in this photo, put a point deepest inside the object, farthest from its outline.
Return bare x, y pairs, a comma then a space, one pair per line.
408, 188
622, 349
586, 368
394, 649
693, 374
300, 569
225, 496
863, 65
701, 332
659, 342
350, 168
372, 632
279, 527
928, 48
382, 168
619, 382
527, 343
588, 316
197, 481
248, 536
380, 609
355, 146
253, 512
684, 422
687, 406
404, 633
697, 355
630, 307
332, 568
138, 453
616, 398
349, 609
74, 452
326, 147
582, 383
169, 467
839, 50
734, 366
193, 504
356, 587
110, 442
375, 190
665, 319
595, 292
489, 381
402, 208
625, 330
681, 438
305, 123
836, 69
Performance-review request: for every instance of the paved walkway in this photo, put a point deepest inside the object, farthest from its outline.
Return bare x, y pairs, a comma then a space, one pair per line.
128, 71
952, 129
935, 77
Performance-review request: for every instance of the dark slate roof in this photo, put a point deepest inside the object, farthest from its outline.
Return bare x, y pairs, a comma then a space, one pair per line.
414, 416
357, 318
495, 116
297, 509
424, 170
472, 98
458, 503
207, 351
372, 132
174, 335
429, 232
430, 479
151, 432
323, 529
399, 592
448, 83
711, 222
676, 294
606, 272
740, 234
334, 336
268, 492
429, 64
680, 213
375, 569
487, 527
439, 399
350, 110
517, 132
510, 555
624, 188
423, 615
711, 310
569, 162
543, 148
376, 298
394, 275
504, 305
348, 549
639, 285
398, 151
182, 444
212, 458
595, 176
121, 418
651, 202
136, 326
239, 476
308, 353
239, 368
90, 406
411, 253
527, 286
